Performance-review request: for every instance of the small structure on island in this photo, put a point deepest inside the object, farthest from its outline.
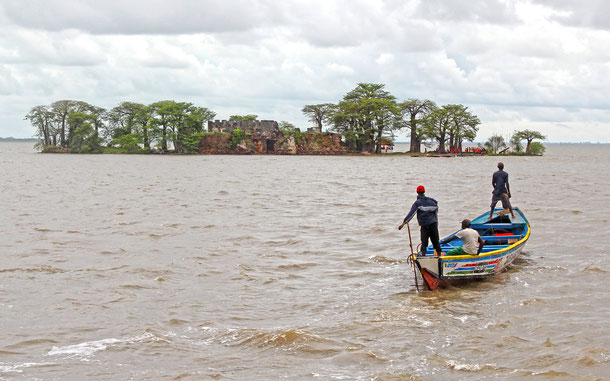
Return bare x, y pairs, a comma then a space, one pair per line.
264, 133
386, 145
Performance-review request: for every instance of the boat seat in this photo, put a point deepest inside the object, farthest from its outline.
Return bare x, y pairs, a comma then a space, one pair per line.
500, 237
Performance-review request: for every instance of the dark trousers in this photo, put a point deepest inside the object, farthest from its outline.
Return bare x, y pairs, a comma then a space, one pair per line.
431, 232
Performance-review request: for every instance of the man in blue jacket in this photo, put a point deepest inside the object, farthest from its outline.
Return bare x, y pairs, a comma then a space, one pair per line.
427, 211
501, 191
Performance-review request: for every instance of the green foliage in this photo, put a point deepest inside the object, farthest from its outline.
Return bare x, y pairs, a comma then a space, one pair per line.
243, 117
413, 111
365, 115
128, 142
450, 124
237, 136
85, 140
537, 148
320, 113
158, 123
529, 136
192, 142
286, 128
299, 137
494, 143
515, 143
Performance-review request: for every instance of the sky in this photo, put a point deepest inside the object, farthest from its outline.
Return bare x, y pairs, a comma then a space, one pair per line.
532, 64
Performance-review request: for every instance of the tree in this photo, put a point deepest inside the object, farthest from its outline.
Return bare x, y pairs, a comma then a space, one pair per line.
160, 114
41, 118
287, 128
184, 120
415, 110
243, 117
319, 113
464, 126
494, 143
122, 119
365, 115
537, 148
515, 143
61, 110
83, 136
529, 135
450, 124
436, 126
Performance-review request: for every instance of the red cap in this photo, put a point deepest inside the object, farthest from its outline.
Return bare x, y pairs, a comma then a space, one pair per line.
421, 189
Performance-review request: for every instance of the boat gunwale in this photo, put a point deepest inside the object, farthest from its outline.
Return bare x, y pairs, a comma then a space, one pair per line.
488, 254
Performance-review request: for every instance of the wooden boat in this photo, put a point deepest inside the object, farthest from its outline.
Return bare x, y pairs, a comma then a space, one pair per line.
504, 239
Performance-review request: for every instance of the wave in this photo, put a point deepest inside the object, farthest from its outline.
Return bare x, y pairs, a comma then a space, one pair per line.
296, 266
84, 351
41, 269
293, 340
29, 343
18, 368
382, 259
594, 269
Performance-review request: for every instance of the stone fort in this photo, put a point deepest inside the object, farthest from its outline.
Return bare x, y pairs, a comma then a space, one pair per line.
263, 127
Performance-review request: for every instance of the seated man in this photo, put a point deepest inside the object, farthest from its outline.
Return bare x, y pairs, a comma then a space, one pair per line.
469, 237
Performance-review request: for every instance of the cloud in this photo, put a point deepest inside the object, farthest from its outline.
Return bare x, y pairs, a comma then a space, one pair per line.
516, 62
480, 11
584, 13
138, 16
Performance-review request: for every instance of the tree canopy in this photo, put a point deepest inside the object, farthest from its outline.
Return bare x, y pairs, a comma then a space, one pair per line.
529, 136
81, 127
319, 114
414, 110
450, 125
366, 115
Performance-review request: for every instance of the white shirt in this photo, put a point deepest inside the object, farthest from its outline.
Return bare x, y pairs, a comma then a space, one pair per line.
470, 237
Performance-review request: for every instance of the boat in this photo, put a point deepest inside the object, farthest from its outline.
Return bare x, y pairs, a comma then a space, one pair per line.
504, 238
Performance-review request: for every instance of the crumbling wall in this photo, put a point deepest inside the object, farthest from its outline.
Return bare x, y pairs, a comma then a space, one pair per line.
275, 144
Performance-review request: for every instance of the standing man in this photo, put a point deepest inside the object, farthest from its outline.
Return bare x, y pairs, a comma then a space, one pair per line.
427, 211
470, 239
501, 191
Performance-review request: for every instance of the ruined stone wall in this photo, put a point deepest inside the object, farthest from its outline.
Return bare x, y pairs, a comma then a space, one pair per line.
265, 127
320, 144
275, 144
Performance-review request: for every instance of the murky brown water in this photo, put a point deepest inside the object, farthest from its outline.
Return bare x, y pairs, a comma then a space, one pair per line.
117, 267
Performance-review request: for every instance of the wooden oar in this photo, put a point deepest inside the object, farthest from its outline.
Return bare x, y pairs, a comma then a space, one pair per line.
412, 257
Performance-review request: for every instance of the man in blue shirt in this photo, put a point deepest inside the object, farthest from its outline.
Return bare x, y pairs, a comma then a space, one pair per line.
501, 191
427, 211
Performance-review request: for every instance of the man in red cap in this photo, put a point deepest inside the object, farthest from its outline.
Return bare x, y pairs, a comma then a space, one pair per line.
427, 211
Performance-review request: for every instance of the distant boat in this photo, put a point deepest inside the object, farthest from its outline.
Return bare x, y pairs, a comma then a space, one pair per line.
504, 239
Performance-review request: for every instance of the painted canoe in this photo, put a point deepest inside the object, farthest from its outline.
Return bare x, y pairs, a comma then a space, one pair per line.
504, 239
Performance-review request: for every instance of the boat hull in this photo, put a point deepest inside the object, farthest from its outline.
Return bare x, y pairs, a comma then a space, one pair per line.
446, 270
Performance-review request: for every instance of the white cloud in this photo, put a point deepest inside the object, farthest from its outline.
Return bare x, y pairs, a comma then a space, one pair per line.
514, 62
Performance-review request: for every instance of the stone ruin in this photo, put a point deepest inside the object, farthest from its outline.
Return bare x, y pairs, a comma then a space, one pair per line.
265, 137
267, 128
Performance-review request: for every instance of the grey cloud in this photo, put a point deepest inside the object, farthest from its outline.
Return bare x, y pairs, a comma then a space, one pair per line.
138, 16
585, 13
64, 49
482, 11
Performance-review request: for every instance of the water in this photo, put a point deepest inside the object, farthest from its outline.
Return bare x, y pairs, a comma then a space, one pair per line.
279, 267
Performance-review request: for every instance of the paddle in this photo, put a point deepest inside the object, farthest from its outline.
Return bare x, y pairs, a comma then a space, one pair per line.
412, 257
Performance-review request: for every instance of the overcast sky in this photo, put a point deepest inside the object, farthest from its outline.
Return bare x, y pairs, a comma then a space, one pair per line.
538, 64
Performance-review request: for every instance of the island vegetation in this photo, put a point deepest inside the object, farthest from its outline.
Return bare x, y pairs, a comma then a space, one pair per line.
367, 118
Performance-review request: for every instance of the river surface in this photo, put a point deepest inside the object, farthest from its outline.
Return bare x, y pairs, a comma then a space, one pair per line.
135, 267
